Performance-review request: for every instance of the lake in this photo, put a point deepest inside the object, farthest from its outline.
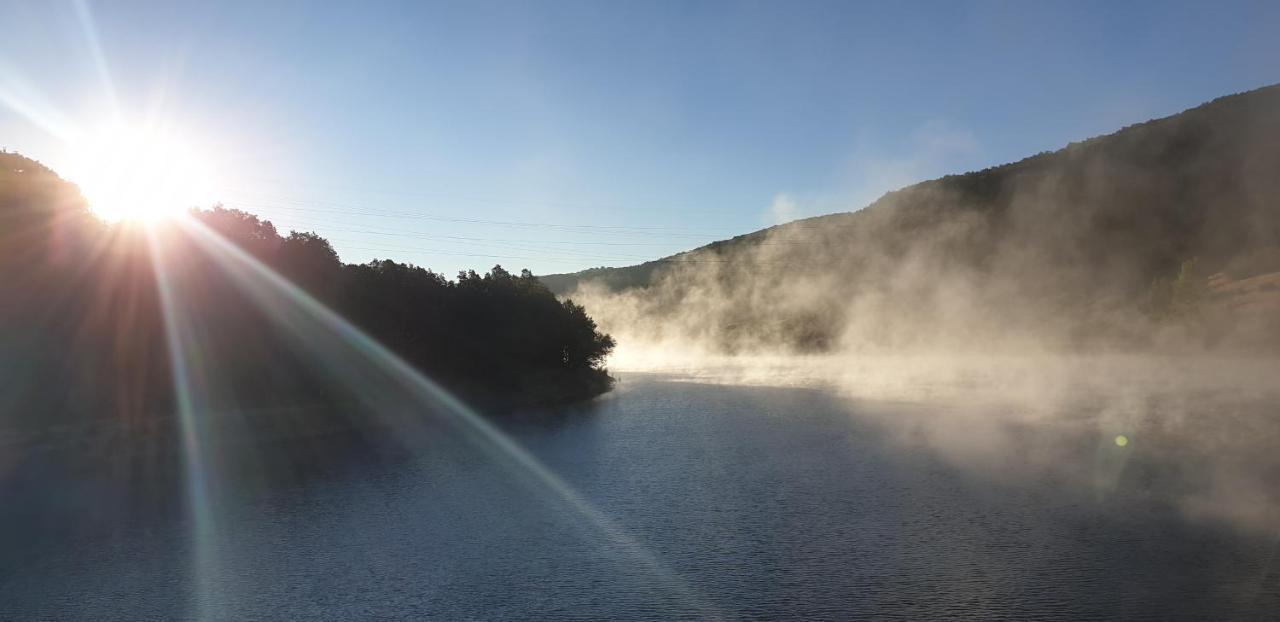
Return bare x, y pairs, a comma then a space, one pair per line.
676, 499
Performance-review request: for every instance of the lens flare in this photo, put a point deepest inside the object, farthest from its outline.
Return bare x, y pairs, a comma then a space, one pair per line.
185, 371
141, 173
345, 348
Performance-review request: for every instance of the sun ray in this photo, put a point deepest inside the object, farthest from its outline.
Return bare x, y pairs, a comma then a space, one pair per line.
89, 27
295, 310
20, 96
185, 374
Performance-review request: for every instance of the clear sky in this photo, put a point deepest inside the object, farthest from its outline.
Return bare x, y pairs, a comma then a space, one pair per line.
559, 136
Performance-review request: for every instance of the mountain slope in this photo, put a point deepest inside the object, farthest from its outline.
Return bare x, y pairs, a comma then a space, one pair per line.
1081, 245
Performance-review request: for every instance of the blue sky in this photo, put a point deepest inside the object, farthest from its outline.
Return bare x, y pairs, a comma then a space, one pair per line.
559, 136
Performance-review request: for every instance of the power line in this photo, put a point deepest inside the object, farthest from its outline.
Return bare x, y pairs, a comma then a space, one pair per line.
660, 205
469, 241
357, 210
312, 221
306, 215
688, 260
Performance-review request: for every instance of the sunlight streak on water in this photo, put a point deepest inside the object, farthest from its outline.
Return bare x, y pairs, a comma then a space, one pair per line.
182, 361
296, 311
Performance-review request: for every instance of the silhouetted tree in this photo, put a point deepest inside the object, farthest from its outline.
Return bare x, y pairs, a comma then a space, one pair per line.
82, 330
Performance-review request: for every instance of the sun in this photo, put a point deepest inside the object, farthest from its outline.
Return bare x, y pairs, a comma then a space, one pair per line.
141, 174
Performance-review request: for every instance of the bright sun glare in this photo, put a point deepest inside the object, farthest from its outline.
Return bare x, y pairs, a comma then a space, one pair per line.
141, 174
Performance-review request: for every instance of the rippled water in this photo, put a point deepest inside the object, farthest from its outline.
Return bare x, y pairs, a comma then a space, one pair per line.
713, 501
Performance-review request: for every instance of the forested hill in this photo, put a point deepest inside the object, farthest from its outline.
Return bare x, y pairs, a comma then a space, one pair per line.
1075, 238
83, 328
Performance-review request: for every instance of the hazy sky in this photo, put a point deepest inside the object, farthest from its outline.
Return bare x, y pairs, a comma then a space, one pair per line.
559, 136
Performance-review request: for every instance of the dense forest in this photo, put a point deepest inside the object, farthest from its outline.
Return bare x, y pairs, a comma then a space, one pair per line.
82, 332
1163, 234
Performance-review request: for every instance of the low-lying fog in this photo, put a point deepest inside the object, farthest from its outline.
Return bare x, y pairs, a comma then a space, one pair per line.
1199, 433
1059, 317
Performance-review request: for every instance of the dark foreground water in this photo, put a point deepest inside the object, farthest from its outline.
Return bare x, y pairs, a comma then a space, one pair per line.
680, 500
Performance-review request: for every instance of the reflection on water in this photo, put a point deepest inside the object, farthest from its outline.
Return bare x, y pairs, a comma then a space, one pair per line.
768, 501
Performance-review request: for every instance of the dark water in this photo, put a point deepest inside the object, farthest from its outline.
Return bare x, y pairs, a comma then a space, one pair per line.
688, 501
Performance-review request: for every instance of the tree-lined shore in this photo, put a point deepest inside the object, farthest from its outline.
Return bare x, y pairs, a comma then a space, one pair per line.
83, 331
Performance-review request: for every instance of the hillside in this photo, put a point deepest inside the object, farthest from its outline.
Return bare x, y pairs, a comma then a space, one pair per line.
88, 307
1078, 246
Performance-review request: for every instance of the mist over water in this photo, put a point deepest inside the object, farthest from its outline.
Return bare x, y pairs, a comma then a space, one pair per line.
1119, 295
1002, 366
1197, 433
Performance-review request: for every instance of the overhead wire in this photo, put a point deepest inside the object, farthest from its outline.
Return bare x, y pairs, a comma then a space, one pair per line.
304, 215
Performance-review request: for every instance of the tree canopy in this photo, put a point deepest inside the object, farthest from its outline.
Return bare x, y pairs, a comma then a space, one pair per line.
82, 330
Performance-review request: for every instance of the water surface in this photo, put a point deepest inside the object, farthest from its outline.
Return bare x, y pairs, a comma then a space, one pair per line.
705, 500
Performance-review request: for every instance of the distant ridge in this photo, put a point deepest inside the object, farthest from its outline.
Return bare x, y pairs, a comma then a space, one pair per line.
979, 184
1078, 231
